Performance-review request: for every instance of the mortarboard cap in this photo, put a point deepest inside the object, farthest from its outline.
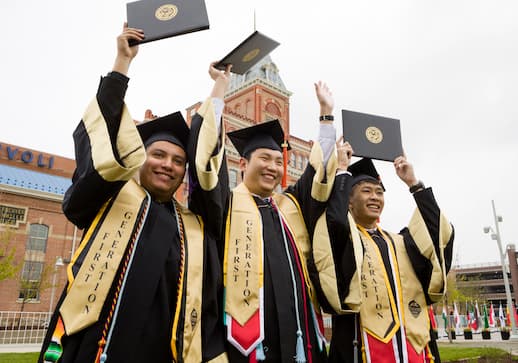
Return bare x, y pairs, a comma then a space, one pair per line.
268, 135
170, 128
165, 18
364, 170
371, 136
248, 53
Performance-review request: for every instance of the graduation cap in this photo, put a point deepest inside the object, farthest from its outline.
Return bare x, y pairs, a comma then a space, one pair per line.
364, 170
372, 136
248, 53
268, 135
170, 128
164, 18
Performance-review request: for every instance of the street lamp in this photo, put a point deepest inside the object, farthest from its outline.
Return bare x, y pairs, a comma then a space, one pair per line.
496, 236
58, 263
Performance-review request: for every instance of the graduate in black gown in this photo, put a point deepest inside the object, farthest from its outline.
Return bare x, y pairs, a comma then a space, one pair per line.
380, 283
145, 284
271, 311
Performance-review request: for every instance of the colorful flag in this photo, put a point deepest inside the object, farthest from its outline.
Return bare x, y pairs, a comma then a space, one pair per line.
507, 316
468, 316
456, 317
491, 316
476, 317
433, 322
486, 318
445, 318
501, 315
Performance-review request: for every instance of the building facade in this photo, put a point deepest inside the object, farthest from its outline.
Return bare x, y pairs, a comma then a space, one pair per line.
487, 281
257, 96
33, 183
32, 225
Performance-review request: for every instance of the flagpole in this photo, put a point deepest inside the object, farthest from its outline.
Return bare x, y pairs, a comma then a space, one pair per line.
496, 236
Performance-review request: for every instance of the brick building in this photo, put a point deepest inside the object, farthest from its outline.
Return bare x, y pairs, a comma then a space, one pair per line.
488, 279
32, 185
259, 95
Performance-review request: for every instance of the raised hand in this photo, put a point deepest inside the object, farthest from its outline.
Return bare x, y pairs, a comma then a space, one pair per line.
221, 80
325, 98
125, 53
344, 153
405, 171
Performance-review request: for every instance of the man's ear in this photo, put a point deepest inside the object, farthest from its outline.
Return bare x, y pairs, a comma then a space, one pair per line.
243, 164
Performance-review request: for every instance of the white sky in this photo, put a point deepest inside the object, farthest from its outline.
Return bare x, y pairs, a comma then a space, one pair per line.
446, 68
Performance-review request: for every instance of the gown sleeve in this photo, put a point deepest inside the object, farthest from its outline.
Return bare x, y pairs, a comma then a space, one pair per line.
208, 175
429, 244
312, 189
108, 151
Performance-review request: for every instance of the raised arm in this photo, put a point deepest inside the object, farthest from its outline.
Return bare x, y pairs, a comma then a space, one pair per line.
314, 186
208, 174
429, 235
108, 148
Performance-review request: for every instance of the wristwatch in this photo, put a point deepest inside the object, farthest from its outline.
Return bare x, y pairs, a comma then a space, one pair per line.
417, 187
326, 118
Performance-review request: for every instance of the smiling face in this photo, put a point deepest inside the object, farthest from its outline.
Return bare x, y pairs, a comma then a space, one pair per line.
163, 171
366, 203
263, 171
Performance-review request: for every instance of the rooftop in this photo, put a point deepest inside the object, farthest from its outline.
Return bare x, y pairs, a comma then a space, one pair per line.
33, 180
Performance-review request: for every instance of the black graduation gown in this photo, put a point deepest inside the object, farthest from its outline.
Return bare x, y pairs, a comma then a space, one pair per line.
279, 315
344, 326
143, 327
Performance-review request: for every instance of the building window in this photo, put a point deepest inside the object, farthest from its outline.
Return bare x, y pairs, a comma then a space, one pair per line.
299, 159
32, 272
31, 280
37, 240
232, 178
272, 109
293, 160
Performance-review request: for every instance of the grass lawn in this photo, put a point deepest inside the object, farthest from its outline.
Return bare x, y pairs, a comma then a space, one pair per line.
448, 354
453, 354
18, 357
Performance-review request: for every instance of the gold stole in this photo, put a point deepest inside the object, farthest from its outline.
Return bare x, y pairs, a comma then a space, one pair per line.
378, 311
191, 282
88, 289
243, 261
415, 310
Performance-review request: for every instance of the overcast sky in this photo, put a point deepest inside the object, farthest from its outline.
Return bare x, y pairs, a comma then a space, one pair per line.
446, 68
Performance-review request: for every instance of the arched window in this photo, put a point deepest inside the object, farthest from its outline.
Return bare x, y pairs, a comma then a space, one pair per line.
293, 160
273, 109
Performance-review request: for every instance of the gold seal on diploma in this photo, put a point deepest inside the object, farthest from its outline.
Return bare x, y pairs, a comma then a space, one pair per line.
373, 134
251, 55
166, 12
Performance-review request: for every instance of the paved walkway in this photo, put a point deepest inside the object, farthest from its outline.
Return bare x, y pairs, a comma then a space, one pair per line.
19, 348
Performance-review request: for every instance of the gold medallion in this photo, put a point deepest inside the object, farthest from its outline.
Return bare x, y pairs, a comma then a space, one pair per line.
166, 12
251, 55
374, 134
